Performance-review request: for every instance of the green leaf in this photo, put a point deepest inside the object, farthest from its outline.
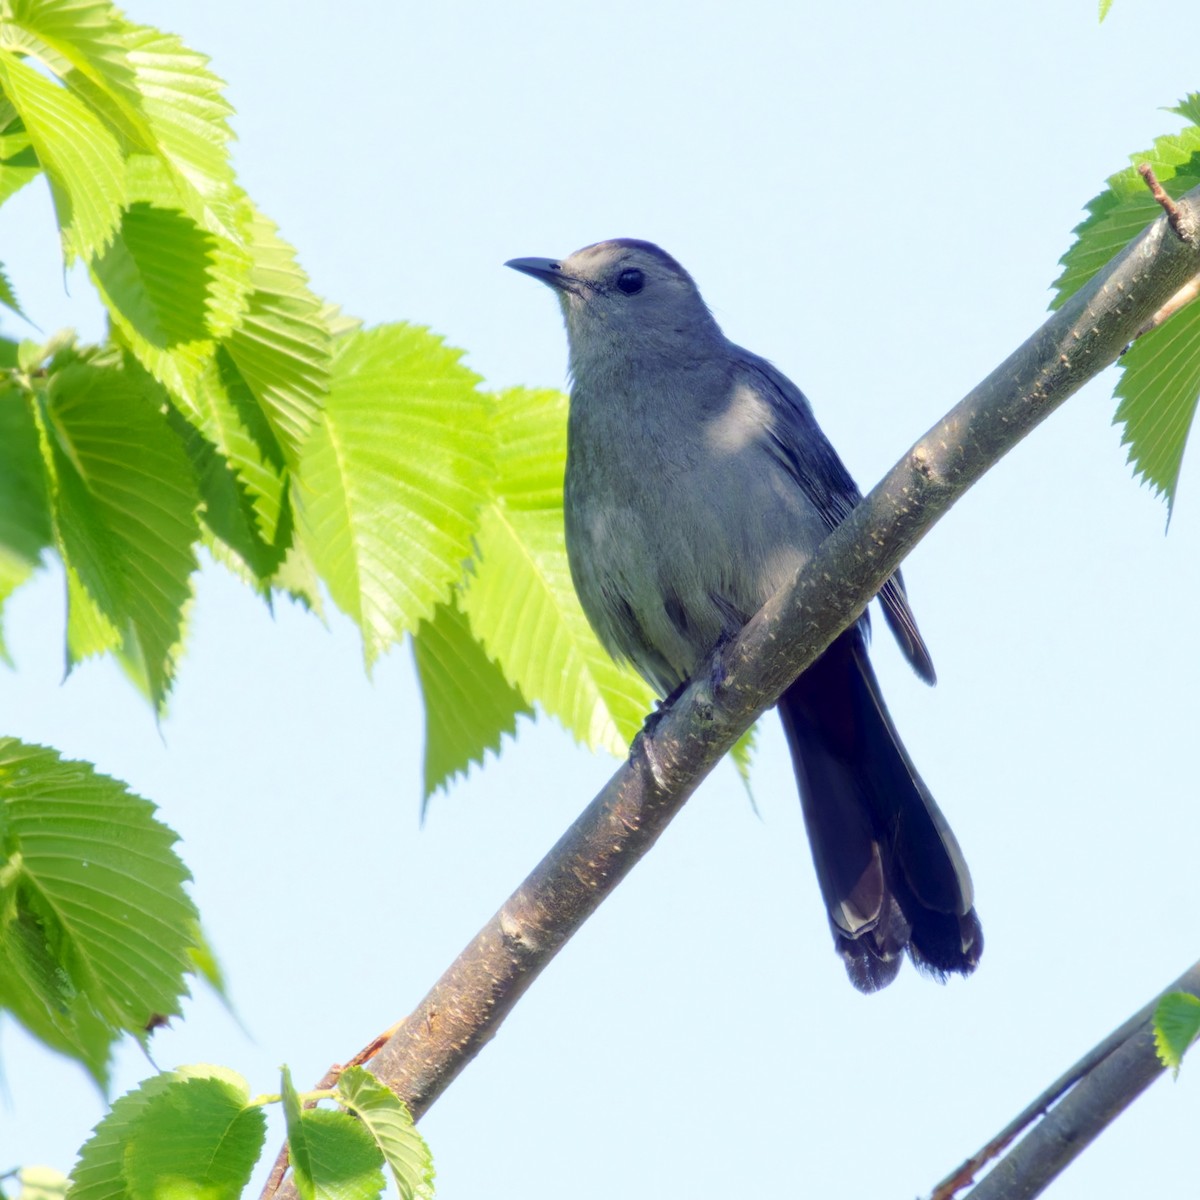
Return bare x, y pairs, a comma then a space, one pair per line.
1188, 108
18, 162
333, 1156
1119, 213
188, 1134
154, 280
188, 122
204, 963
469, 704
299, 1157
95, 927
391, 480
1160, 374
282, 347
8, 297
80, 156
1176, 1027
520, 600
390, 1124
242, 432
125, 508
197, 1137
298, 580
25, 530
89, 631
154, 92
1105, 5
1158, 390
742, 757
230, 509
255, 394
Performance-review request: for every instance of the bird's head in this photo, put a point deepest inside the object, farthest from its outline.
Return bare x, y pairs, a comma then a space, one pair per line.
623, 297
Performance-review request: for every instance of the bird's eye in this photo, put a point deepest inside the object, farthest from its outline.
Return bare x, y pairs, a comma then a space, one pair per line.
631, 282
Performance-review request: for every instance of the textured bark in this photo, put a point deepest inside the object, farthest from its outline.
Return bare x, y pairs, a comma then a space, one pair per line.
464, 1009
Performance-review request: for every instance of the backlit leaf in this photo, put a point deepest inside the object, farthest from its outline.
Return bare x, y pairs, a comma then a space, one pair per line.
391, 479
188, 1134
124, 502
520, 600
469, 704
94, 924
80, 156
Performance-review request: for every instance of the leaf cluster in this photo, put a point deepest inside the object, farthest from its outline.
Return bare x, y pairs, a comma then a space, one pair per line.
1160, 373
234, 411
196, 1131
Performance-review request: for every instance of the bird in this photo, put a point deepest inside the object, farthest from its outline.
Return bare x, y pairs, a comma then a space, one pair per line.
697, 482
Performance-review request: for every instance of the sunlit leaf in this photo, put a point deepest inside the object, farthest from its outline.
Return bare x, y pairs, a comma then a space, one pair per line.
1176, 1027
155, 92
1158, 389
520, 600
299, 1158
228, 507
89, 631
189, 1133
125, 504
1118, 214
742, 757
95, 926
391, 480
333, 1156
282, 347
197, 1136
154, 280
25, 530
18, 162
7, 296
80, 156
390, 1124
469, 704
1160, 373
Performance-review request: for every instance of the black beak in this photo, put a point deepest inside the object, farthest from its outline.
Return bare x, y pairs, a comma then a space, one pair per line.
545, 269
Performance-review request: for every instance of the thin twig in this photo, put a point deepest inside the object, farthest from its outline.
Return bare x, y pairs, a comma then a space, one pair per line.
465, 1008
1185, 229
1183, 226
1075, 1110
1184, 296
279, 1169
965, 1173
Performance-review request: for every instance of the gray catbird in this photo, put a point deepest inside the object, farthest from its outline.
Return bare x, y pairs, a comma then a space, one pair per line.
697, 482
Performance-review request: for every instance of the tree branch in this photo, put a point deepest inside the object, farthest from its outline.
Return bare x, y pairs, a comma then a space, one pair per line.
1098, 1088
1181, 221
464, 1009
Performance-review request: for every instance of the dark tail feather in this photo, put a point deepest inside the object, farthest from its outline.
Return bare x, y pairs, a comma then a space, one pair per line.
890, 869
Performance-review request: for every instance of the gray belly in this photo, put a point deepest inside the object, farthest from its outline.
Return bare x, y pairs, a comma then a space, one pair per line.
671, 555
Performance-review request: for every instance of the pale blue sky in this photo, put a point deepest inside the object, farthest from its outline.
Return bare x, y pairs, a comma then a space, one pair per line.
874, 196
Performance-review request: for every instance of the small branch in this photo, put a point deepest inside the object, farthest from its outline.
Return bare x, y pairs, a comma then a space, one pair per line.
1183, 225
328, 1080
465, 1008
1089, 1096
1184, 296
278, 1171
